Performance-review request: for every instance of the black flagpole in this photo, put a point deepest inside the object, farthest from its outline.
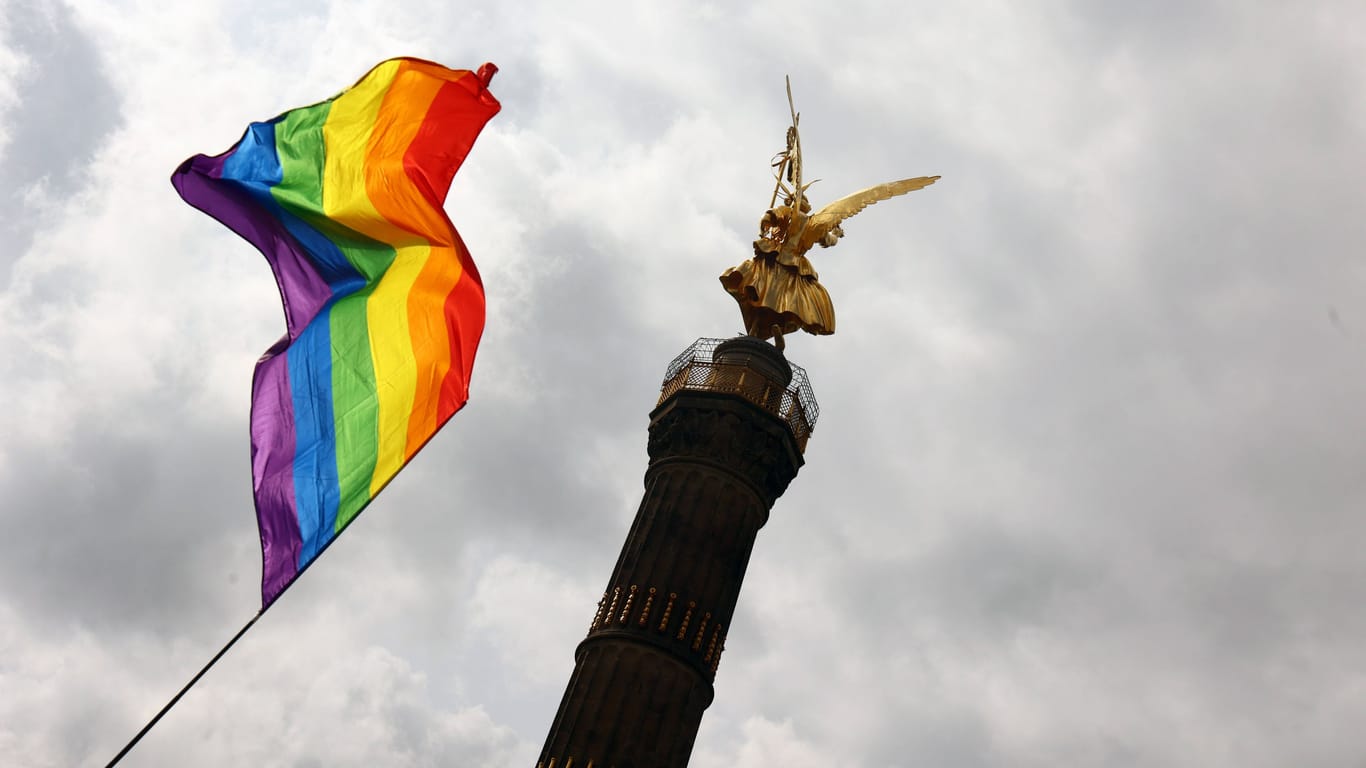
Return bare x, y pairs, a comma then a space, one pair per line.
247, 626
187, 687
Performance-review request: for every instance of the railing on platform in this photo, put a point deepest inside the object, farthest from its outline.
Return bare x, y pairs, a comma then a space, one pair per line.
696, 369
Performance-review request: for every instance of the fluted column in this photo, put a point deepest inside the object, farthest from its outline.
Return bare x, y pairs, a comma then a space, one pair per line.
722, 449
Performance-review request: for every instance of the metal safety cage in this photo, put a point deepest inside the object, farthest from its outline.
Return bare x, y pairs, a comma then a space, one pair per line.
695, 368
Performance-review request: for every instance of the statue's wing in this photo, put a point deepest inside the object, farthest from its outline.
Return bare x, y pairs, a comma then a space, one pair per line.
831, 215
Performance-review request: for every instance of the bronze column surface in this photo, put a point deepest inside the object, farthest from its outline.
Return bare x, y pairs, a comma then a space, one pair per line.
724, 442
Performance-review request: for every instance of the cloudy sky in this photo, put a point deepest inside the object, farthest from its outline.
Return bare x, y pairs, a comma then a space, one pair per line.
1088, 484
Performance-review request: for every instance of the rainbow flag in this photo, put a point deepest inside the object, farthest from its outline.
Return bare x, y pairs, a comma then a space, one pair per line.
383, 305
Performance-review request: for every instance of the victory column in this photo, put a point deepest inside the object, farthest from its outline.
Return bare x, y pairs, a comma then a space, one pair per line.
725, 439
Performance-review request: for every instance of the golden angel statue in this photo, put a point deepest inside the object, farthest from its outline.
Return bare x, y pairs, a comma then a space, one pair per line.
778, 290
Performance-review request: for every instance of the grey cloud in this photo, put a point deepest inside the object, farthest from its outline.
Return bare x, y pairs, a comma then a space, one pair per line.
1085, 485
68, 106
116, 502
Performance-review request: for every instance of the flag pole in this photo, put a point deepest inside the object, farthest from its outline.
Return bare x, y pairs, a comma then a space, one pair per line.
129, 746
182, 692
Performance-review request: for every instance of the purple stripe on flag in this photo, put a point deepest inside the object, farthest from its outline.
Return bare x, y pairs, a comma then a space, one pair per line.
237, 206
272, 462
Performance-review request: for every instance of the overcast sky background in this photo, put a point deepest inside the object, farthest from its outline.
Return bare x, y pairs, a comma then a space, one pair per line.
1088, 482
